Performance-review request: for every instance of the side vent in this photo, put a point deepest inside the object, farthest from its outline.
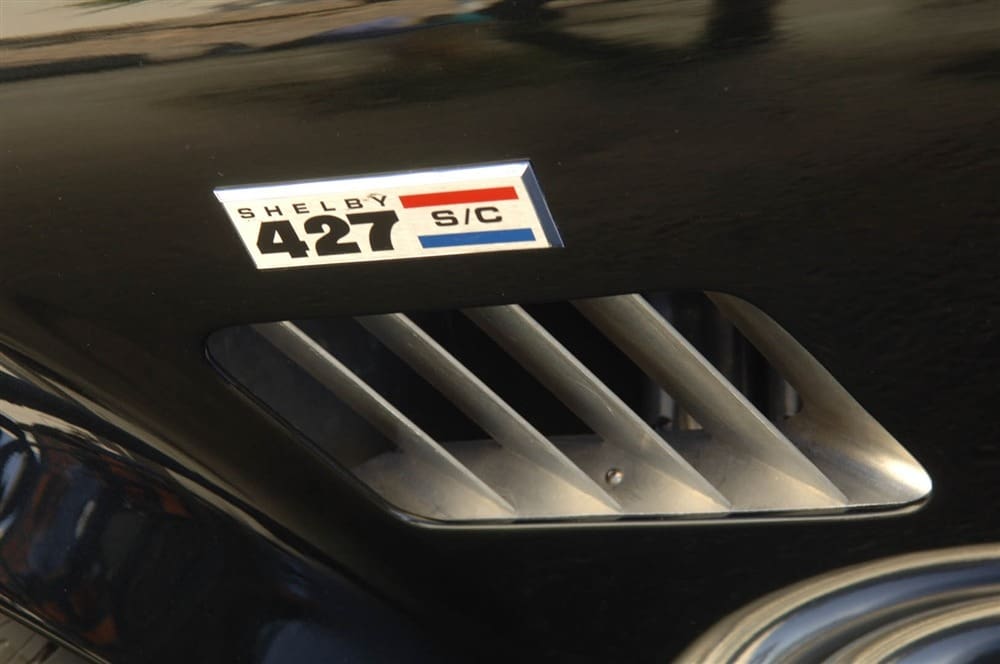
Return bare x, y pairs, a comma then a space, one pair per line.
599, 409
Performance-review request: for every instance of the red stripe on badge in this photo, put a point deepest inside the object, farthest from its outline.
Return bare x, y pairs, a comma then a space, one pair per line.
459, 197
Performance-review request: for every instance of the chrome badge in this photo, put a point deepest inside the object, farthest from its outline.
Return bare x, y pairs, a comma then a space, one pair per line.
412, 214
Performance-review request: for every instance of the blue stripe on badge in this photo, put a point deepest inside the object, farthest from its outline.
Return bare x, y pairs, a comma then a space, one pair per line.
477, 237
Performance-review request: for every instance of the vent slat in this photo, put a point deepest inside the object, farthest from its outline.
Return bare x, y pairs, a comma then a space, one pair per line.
670, 360
759, 428
394, 425
542, 355
828, 408
484, 407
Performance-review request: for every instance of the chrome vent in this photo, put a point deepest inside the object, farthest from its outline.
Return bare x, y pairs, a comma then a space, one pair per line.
932, 606
601, 410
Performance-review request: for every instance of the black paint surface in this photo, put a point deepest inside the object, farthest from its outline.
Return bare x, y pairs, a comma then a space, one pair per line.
835, 163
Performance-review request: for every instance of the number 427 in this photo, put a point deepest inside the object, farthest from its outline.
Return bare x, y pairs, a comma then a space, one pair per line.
279, 236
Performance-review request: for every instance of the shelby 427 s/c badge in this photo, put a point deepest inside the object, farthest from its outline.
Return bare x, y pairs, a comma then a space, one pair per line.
414, 214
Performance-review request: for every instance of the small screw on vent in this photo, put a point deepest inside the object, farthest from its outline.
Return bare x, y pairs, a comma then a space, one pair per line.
614, 476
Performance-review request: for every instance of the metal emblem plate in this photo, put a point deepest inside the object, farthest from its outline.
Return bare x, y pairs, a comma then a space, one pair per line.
391, 216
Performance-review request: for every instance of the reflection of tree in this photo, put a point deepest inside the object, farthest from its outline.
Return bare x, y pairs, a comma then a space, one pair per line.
739, 22
517, 9
729, 24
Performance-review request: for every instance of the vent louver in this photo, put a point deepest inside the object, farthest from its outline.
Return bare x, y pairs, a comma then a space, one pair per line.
598, 411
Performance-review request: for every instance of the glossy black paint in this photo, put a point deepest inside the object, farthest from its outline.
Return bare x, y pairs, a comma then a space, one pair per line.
106, 550
836, 163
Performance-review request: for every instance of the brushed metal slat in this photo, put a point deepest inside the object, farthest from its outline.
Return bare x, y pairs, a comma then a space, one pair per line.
856, 446
542, 355
484, 407
669, 359
408, 437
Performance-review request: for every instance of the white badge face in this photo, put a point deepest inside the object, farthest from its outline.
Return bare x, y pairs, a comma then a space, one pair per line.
414, 214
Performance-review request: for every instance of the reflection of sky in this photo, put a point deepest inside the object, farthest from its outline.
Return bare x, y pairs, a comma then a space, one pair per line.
49, 546
12, 467
163, 31
31, 18
24, 18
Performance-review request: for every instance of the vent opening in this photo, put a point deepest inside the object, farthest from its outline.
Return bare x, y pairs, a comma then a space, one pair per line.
666, 405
